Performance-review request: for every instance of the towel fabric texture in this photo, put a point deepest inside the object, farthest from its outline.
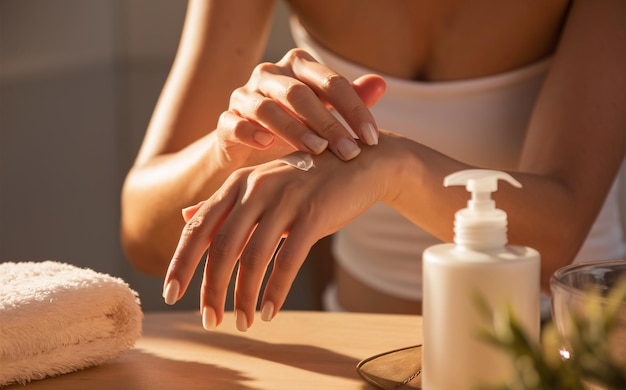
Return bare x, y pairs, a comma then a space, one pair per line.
57, 318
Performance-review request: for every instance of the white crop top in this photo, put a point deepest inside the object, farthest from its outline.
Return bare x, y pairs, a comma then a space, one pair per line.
481, 122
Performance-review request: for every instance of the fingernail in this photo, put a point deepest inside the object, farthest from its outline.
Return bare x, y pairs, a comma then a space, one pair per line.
189, 212
170, 293
267, 311
348, 149
197, 205
263, 138
241, 321
209, 320
368, 131
314, 142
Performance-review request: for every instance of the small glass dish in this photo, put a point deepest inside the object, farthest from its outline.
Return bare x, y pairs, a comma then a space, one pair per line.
580, 301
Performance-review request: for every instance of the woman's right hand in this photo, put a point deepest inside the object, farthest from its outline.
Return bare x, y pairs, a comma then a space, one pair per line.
285, 107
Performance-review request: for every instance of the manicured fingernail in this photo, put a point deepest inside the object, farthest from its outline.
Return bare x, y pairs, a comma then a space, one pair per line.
241, 321
170, 293
368, 131
267, 311
263, 138
348, 149
314, 142
190, 211
209, 320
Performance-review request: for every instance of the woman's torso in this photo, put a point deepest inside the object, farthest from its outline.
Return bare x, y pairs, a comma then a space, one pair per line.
435, 40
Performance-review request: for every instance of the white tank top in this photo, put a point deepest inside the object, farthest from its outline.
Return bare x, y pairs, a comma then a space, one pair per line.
481, 122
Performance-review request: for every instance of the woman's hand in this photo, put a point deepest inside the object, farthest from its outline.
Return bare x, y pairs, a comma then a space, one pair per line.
247, 218
285, 106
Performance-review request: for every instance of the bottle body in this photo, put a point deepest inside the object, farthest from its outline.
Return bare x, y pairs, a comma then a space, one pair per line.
454, 357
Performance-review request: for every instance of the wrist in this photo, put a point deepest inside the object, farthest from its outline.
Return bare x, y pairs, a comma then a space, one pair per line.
394, 162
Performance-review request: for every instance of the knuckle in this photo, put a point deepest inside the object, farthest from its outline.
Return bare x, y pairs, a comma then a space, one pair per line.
252, 185
228, 120
263, 107
301, 53
289, 192
239, 174
194, 228
294, 54
224, 117
288, 262
237, 96
220, 247
311, 215
224, 121
236, 182
252, 257
262, 68
330, 127
310, 212
333, 82
296, 93
357, 111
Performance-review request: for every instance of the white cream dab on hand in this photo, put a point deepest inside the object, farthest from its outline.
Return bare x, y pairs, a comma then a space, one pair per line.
300, 160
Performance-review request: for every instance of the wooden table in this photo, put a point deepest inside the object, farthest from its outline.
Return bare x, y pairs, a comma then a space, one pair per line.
297, 350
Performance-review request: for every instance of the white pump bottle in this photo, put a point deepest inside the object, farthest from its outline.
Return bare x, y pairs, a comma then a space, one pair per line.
479, 262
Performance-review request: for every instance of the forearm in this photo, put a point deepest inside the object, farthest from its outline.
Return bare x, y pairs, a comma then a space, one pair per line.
220, 44
545, 214
154, 194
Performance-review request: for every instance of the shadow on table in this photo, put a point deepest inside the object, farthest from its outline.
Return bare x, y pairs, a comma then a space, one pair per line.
139, 370
302, 356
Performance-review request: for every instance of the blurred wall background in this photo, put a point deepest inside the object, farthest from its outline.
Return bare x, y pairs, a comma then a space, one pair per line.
78, 83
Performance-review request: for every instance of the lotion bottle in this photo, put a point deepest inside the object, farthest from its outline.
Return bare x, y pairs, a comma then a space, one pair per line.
479, 262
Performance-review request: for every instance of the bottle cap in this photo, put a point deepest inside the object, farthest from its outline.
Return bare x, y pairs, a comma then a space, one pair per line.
481, 225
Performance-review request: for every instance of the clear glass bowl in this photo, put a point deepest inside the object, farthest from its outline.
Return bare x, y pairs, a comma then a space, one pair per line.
581, 289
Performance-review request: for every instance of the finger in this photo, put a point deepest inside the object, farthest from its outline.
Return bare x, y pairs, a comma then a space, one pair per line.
338, 92
233, 128
287, 263
302, 102
370, 88
193, 242
223, 252
271, 115
252, 268
189, 212
213, 294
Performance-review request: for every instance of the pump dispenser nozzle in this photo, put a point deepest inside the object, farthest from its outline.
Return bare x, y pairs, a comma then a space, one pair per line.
481, 225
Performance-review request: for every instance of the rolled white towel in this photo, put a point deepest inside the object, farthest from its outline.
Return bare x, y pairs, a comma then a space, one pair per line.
56, 318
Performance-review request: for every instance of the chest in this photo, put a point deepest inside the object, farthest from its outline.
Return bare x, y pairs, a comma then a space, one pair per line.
435, 40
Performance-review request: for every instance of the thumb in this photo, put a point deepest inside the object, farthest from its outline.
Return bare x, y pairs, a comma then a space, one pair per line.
370, 88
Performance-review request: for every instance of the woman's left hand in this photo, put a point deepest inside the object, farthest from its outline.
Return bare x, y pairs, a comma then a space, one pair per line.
247, 218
